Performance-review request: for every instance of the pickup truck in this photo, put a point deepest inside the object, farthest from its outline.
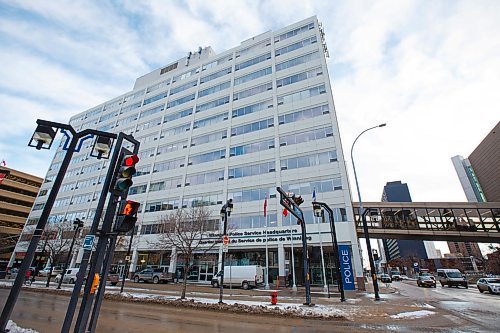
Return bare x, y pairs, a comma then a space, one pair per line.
155, 275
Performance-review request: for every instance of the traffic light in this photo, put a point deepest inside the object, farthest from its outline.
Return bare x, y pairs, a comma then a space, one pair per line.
297, 199
123, 179
125, 221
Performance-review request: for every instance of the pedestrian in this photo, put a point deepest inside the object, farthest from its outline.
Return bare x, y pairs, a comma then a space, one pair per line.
177, 273
290, 279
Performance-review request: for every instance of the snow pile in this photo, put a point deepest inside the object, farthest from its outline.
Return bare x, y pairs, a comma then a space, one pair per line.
13, 328
412, 314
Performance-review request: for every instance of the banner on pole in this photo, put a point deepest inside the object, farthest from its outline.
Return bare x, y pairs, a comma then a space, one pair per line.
346, 267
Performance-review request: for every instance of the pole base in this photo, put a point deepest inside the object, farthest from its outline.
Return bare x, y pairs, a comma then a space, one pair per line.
309, 304
294, 288
267, 286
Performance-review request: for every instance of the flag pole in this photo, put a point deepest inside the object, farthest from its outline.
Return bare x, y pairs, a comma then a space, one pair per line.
267, 250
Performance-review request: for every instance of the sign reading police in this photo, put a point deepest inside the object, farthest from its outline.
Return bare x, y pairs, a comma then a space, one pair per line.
346, 267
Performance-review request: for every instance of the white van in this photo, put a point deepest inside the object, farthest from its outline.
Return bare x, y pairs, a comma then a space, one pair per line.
240, 276
451, 277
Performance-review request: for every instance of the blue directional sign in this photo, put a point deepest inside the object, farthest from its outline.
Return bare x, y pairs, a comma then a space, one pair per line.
346, 267
416, 267
88, 242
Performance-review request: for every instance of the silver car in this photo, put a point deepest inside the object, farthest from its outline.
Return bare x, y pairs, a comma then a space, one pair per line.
492, 285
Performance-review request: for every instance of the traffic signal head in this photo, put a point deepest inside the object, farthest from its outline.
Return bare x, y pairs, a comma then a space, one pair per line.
297, 199
124, 175
127, 217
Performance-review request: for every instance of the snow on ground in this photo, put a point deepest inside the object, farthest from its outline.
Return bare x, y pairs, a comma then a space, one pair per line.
412, 314
13, 328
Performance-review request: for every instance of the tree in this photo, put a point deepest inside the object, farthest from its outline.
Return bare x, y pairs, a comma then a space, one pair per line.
58, 237
188, 231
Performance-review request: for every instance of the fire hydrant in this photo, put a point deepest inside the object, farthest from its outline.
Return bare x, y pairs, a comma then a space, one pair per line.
274, 297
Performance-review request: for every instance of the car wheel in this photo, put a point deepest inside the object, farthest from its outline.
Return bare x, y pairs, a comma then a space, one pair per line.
215, 284
466, 286
480, 290
245, 285
156, 280
490, 291
136, 279
114, 283
71, 281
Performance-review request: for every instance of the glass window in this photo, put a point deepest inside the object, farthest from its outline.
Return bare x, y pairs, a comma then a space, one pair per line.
186, 74
296, 46
212, 104
311, 135
142, 170
175, 131
157, 86
211, 120
251, 147
252, 91
149, 112
252, 127
297, 61
211, 137
300, 95
204, 178
253, 76
168, 165
183, 87
178, 115
148, 124
154, 98
180, 101
309, 160
215, 75
138, 189
299, 77
127, 120
267, 104
146, 153
157, 206
207, 157
251, 170
171, 147
202, 200
294, 32
253, 48
217, 62
303, 114
253, 61
214, 89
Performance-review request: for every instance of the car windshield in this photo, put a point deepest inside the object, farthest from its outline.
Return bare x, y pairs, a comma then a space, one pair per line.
454, 275
493, 280
425, 278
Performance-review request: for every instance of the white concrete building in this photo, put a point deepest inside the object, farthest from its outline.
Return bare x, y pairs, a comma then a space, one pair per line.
230, 125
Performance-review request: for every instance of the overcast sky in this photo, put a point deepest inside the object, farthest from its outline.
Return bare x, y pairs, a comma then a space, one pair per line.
430, 69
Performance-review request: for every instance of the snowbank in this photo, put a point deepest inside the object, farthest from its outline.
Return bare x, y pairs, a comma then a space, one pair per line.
13, 328
412, 314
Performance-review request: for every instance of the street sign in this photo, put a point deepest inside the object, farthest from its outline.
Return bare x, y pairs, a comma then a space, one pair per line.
127, 258
225, 248
88, 242
225, 239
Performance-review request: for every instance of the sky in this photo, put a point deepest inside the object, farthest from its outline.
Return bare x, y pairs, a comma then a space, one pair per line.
429, 69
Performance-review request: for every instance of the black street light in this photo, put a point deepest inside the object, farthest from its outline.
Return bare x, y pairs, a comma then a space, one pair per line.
363, 218
318, 211
224, 213
42, 138
77, 225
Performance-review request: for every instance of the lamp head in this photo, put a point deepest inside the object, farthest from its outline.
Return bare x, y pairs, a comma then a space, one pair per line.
382, 125
43, 136
102, 147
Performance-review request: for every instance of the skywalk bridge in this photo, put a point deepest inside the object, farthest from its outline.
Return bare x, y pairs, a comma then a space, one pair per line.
435, 221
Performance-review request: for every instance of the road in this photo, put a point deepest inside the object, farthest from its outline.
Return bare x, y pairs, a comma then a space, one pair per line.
466, 306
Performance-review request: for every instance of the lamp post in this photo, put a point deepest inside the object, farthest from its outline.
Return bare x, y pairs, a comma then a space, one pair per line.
77, 225
42, 138
318, 211
127, 260
225, 211
363, 218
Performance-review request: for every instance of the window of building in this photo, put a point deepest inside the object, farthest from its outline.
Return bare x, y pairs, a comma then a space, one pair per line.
253, 221
217, 62
62, 202
308, 113
306, 136
146, 153
130, 107
294, 32
127, 120
83, 183
212, 104
253, 61
157, 86
183, 87
202, 200
297, 61
175, 131
108, 116
72, 216
138, 189
171, 147
155, 98
186, 75
214, 89
211, 137
207, 157
180, 101
251, 170
252, 127
251, 147
252, 194
299, 77
216, 75
168, 68
253, 48
106, 127
178, 115
148, 124
267, 104
142, 170
300, 95
252, 91
91, 168
148, 138
80, 199
38, 206
55, 218
296, 46
168, 165
166, 184
149, 112
211, 120
309, 160
321, 186
158, 206
253, 76
204, 178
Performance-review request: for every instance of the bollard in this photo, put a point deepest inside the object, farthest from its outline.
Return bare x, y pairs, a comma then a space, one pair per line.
274, 297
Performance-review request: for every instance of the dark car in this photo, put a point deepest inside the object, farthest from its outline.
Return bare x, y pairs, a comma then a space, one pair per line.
428, 274
426, 281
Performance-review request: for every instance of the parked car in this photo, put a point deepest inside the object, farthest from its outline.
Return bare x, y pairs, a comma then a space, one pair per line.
404, 277
426, 281
385, 278
452, 278
113, 278
46, 271
427, 274
69, 276
242, 276
395, 276
12, 274
492, 285
155, 275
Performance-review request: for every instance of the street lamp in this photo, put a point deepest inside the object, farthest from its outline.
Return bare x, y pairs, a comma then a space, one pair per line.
318, 211
225, 211
42, 138
363, 218
77, 224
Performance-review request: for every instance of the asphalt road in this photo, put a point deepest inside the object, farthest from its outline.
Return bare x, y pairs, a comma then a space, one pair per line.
466, 306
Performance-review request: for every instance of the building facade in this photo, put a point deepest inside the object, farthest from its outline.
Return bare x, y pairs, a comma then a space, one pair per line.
233, 125
18, 191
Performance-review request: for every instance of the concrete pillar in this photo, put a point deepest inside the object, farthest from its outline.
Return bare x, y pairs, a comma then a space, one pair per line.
358, 266
281, 265
133, 261
173, 261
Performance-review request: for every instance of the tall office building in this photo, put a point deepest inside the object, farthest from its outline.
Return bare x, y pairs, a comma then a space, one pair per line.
398, 248
233, 125
479, 176
18, 191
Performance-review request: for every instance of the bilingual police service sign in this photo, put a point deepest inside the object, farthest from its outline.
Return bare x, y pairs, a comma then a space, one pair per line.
346, 267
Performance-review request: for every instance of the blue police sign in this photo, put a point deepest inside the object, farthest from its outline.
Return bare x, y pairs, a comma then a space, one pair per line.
416, 267
88, 242
346, 267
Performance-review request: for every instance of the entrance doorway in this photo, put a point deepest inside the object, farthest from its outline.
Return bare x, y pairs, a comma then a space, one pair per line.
207, 271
